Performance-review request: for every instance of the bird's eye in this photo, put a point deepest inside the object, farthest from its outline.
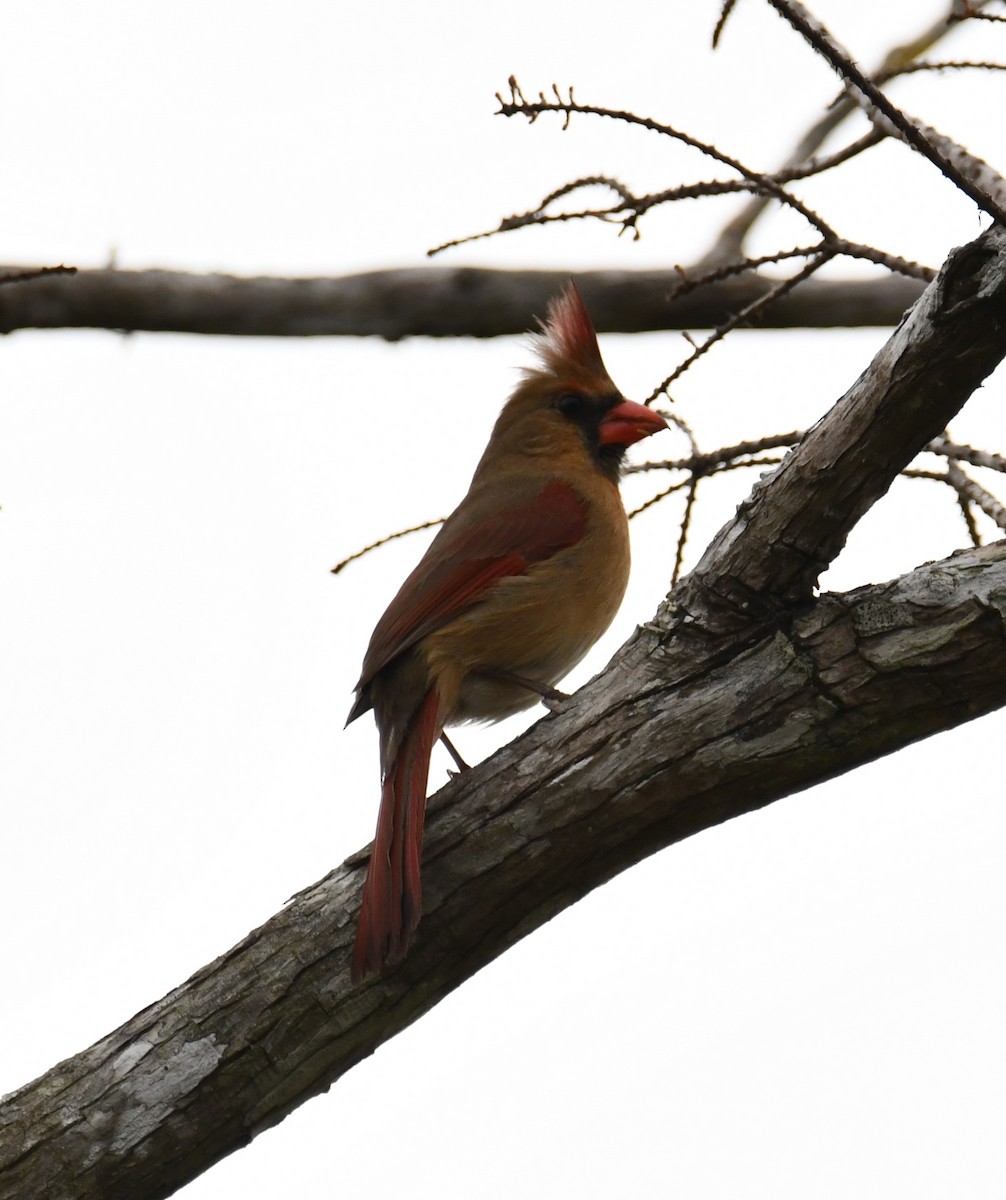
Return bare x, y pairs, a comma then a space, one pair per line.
570, 404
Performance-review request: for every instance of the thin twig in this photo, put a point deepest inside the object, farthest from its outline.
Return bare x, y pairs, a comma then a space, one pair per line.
712, 460
384, 541
969, 13
949, 65
690, 282
962, 484
35, 273
968, 454
719, 469
686, 521
893, 262
662, 495
728, 7
518, 105
958, 481
988, 503
746, 314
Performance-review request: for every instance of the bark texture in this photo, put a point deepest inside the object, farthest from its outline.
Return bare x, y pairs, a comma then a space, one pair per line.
426, 301
653, 751
743, 689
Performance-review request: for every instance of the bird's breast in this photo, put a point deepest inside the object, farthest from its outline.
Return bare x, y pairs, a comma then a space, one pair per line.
538, 625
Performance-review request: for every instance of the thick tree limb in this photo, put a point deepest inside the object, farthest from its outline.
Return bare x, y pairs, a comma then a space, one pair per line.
653, 751
426, 302
743, 689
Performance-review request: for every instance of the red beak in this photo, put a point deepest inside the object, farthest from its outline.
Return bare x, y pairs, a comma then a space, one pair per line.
629, 422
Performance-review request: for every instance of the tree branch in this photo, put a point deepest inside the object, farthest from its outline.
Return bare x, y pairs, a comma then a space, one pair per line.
427, 302
509, 844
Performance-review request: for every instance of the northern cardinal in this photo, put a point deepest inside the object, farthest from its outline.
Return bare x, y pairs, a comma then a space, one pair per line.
522, 579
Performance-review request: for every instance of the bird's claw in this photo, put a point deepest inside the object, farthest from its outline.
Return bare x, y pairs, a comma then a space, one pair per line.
461, 764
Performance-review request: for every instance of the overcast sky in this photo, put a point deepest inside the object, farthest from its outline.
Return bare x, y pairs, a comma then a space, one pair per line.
806, 1002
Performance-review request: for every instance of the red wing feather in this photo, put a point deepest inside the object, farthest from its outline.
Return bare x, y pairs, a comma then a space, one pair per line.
460, 567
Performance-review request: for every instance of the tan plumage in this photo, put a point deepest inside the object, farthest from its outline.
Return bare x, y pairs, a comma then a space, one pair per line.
521, 580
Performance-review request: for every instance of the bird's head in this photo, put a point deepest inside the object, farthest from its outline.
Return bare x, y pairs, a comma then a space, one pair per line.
567, 406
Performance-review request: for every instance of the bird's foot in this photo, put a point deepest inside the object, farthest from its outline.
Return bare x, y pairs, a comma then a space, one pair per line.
551, 697
554, 700
462, 765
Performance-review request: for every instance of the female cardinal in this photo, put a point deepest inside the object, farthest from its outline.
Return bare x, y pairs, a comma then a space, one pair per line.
523, 577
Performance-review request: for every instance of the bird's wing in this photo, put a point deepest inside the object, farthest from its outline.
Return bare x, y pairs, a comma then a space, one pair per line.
471, 552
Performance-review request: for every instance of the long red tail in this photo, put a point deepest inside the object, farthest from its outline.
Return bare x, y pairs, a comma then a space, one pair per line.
392, 893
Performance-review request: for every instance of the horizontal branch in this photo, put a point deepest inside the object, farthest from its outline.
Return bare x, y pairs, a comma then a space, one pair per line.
427, 302
664, 744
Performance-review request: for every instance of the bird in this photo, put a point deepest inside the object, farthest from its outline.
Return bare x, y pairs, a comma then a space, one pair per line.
520, 581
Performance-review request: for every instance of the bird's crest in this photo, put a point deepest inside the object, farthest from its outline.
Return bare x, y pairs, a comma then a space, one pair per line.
567, 343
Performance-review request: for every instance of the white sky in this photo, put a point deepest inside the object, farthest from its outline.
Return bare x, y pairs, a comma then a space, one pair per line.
805, 1002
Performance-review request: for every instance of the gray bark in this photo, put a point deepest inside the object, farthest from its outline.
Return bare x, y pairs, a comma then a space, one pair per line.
427, 301
743, 689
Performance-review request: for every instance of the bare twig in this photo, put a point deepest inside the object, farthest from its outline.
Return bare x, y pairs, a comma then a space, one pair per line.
518, 105
746, 314
715, 458
892, 262
686, 521
661, 495
689, 281
627, 212
950, 65
959, 481
977, 458
728, 7
391, 537
969, 12
23, 276
988, 503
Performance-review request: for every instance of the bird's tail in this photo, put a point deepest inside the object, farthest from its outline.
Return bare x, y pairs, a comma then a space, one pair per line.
392, 893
